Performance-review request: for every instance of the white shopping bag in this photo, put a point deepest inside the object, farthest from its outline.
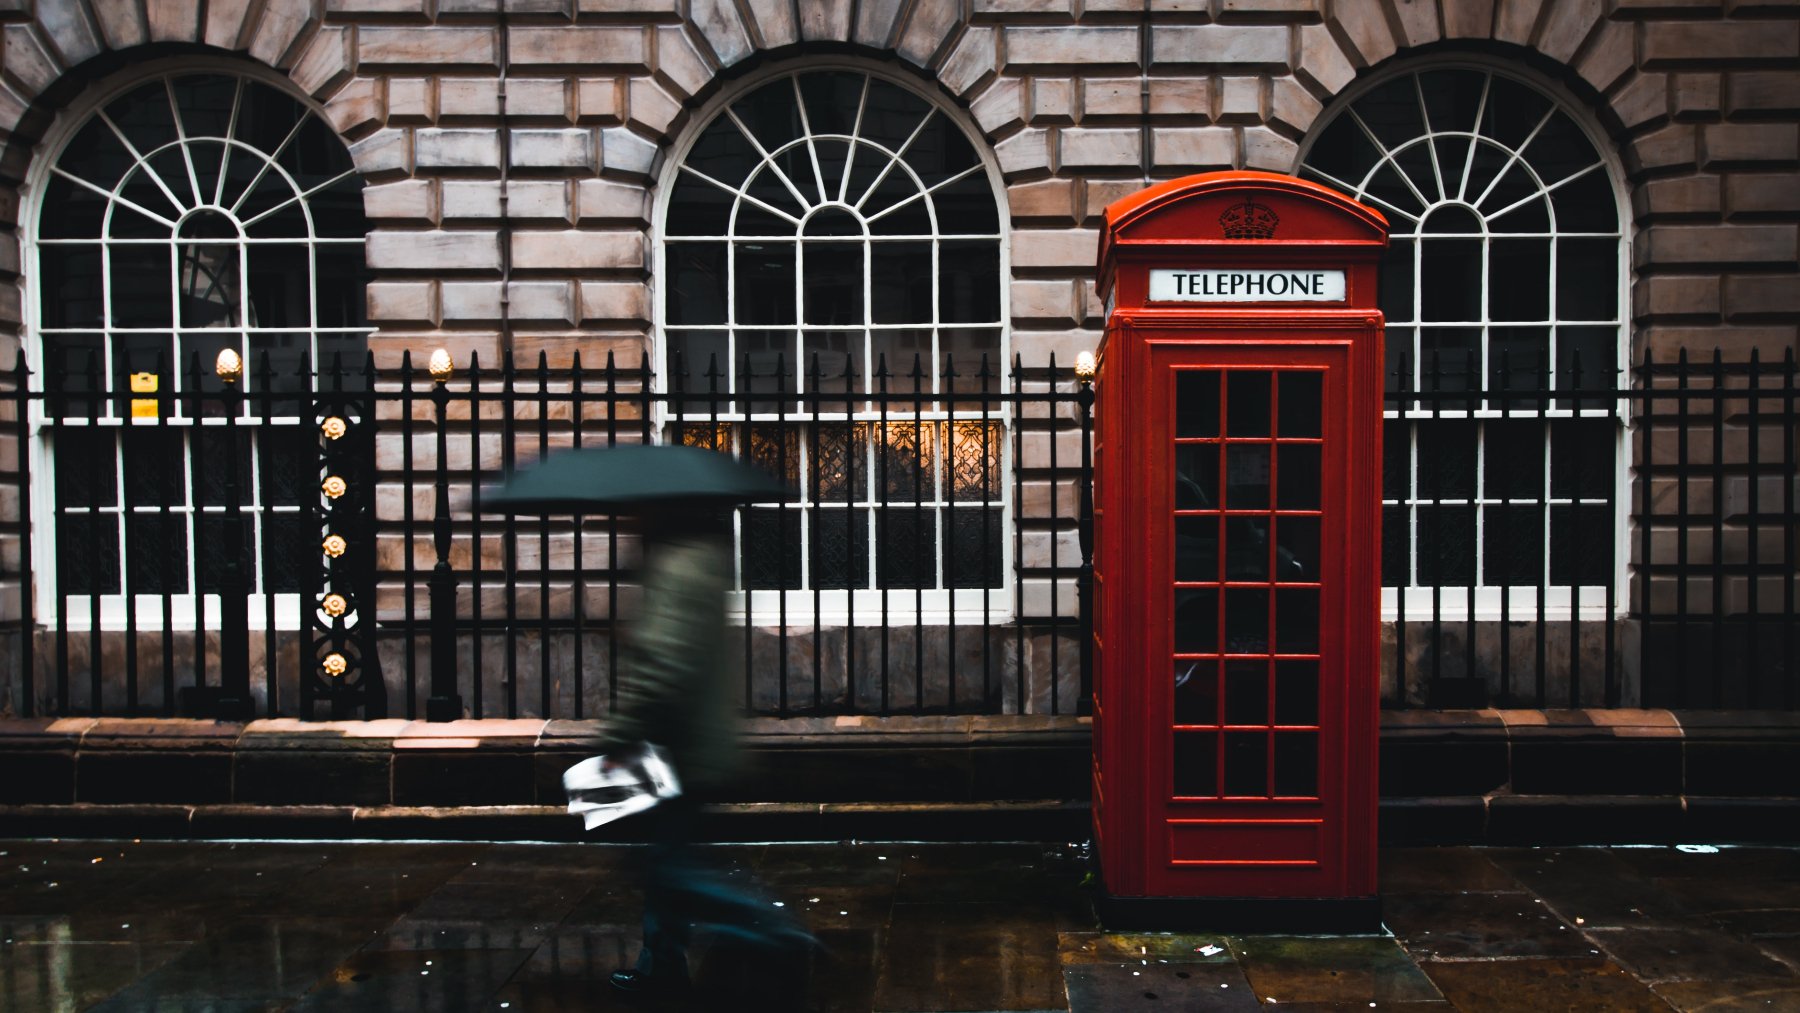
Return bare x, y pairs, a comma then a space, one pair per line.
604, 788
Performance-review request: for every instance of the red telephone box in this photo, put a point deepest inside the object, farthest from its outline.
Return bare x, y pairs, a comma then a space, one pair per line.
1236, 572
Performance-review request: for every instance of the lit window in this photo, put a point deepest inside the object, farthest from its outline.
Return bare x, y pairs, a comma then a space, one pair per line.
1503, 292
831, 309
190, 214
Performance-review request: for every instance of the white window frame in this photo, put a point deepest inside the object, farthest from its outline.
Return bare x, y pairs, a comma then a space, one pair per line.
862, 606
149, 607
1491, 602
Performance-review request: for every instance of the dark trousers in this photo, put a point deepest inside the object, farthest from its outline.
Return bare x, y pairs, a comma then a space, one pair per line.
682, 891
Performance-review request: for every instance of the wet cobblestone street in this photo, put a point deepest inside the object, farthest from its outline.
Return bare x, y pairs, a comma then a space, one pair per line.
205, 927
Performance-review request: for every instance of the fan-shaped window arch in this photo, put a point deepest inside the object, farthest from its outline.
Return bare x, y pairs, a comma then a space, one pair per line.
831, 263
1504, 295
187, 212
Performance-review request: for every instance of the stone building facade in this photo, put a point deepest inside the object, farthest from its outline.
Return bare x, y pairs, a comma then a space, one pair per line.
516, 160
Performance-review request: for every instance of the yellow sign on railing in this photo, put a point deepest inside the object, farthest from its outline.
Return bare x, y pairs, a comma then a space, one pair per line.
143, 407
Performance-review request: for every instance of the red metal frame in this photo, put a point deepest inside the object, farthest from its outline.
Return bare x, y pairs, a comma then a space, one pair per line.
1232, 842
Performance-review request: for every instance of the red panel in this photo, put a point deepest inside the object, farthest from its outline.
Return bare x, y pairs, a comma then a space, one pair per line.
1294, 843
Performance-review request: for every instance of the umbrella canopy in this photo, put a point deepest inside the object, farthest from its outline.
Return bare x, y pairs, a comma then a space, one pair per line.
633, 477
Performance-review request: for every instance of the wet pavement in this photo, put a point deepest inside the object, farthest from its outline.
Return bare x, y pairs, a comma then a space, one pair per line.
219, 927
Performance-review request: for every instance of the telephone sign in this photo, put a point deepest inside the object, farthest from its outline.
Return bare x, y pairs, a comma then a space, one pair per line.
1237, 531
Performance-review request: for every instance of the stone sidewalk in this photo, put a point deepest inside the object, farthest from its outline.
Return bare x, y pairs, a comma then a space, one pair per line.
234, 927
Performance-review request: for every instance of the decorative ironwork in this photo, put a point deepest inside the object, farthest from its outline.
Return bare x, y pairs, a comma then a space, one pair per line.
334, 427
342, 628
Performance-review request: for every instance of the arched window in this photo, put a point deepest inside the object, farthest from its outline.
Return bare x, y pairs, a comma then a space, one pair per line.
1503, 292
185, 214
831, 266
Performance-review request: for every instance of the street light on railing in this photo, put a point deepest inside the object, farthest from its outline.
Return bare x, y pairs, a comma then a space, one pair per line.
229, 365
1084, 368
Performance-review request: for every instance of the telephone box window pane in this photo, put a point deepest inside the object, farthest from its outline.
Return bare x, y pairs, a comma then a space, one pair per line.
1197, 548
1299, 478
1197, 476
1296, 549
1297, 620
1246, 693
1246, 620
1246, 404
1296, 692
1297, 764
1196, 692
1247, 548
1302, 400
1197, 403
1197, 621
1197, 764
1246, 763
1247, 476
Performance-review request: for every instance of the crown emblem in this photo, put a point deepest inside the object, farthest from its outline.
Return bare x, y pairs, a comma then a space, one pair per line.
1249, 221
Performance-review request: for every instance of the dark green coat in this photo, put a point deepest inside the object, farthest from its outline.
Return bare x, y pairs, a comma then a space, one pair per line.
674, 689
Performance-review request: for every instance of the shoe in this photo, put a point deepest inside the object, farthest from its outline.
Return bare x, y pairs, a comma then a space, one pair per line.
637, 982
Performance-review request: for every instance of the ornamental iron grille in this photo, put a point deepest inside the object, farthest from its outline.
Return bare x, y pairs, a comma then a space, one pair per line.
832, 311
1502, 290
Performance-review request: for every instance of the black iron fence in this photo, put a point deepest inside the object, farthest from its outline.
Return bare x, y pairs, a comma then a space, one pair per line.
290, 543
314, 543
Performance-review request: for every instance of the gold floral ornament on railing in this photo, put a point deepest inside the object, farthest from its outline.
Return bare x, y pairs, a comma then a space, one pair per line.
335, 487
441, 365
1084, 367
335, 545
334, 427
335, 605
229, 365
335, 665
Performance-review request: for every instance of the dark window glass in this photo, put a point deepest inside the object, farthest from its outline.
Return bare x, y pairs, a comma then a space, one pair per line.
1197, 621
1247, 476
1297, 764
1196, 764
1296, 692
1197, 476
1246, 692
1519, 279
1197, 403
1246, 403
1302, 401
1300, 474
1196, 692
1197, 548
1246, 763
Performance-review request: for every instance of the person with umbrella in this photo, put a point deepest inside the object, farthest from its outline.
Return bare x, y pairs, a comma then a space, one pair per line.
673, 691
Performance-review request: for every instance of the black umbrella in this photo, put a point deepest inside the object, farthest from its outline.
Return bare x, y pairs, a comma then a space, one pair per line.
633, 477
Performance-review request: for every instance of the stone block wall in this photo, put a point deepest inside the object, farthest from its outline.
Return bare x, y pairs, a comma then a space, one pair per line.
511, 148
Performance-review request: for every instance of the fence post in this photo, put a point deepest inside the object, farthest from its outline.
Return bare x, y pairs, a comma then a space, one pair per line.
444, 704
234, 702
1084, 402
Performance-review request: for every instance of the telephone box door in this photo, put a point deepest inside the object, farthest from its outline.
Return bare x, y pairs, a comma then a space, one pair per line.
1246, 573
